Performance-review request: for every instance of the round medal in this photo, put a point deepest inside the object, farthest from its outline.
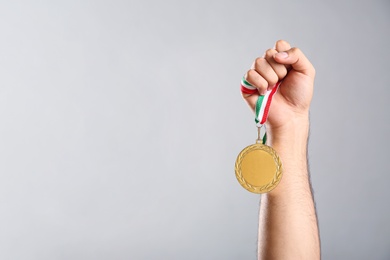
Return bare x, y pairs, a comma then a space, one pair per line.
258, 168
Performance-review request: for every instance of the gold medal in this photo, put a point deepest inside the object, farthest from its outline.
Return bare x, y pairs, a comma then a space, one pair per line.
258, 167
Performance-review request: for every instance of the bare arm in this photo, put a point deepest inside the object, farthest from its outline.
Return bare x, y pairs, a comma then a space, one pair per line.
288, 226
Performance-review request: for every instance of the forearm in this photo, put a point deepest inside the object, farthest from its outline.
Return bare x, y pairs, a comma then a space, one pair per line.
287, 214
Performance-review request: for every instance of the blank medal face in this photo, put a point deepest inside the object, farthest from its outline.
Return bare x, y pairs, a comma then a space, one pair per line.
258, 168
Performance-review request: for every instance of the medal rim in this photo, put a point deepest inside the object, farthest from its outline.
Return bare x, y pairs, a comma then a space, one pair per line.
277, 175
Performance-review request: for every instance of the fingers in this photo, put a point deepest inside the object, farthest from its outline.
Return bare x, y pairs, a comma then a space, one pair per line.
279, 69
294, 57
257, 80
266, 72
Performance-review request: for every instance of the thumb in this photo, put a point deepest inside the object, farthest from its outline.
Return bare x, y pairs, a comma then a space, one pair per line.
296, 59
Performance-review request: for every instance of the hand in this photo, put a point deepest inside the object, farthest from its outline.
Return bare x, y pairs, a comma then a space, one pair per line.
290, 66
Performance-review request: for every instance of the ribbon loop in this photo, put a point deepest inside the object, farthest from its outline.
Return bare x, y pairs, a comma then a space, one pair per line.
263, 104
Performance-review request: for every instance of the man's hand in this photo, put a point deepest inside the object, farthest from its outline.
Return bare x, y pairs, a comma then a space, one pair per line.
290, 66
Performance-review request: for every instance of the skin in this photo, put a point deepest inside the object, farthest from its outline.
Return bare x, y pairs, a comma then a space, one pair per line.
288, 226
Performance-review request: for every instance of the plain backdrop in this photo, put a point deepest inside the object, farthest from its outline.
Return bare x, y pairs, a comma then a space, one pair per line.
121, 122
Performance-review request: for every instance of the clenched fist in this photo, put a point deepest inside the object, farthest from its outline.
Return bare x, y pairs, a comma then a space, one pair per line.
294, 70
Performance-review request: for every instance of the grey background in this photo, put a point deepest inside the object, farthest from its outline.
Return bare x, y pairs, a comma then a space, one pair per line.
121, 122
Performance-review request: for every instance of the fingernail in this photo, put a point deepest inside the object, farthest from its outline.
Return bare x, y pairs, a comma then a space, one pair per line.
281, 55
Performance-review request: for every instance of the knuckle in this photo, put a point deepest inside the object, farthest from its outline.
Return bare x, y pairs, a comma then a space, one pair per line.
282, 73
270, 52
256, 80
273, 80
259, 62
250, 75
261, 84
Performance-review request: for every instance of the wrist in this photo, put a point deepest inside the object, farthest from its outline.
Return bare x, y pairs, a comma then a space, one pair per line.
296, 128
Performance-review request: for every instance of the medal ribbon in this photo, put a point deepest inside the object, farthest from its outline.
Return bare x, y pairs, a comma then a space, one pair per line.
262, 105
263, 102
247, 88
